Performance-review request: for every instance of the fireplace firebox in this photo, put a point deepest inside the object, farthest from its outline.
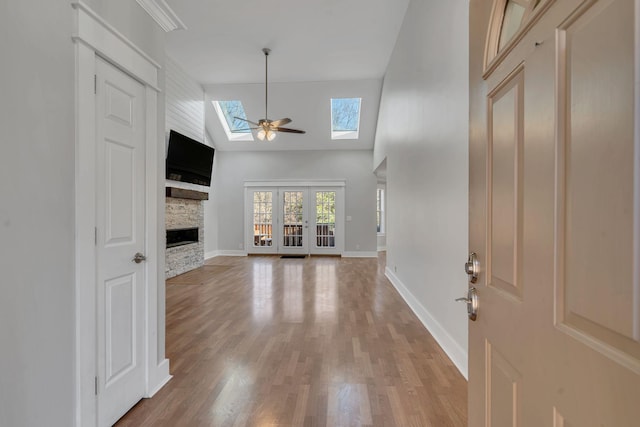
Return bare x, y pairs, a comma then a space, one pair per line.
182, 236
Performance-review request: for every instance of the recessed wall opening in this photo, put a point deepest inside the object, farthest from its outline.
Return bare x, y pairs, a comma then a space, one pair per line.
182, 236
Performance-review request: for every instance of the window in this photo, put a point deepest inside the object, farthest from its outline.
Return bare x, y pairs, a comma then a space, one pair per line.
513, 15
345, 118
380, 210
230, 114
325, 219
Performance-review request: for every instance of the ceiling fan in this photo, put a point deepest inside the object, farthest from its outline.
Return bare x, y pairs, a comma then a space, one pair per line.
267, 128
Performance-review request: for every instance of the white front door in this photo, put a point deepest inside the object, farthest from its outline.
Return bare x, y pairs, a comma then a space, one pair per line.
294, 221
555, 215
120, 198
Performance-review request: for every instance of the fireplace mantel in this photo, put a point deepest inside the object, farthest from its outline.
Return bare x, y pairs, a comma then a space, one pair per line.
183, 193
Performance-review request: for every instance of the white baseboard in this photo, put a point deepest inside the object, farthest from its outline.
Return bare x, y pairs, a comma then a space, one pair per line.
456, 353
163, 377
212, 254
382, 248
359, 254
231, 253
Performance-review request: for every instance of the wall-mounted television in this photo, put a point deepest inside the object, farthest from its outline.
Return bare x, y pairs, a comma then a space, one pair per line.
188, 160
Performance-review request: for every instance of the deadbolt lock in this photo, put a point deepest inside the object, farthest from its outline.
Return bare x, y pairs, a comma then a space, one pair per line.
472, 267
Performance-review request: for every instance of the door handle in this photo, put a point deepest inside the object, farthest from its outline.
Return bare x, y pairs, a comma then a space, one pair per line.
138, 258
472, 303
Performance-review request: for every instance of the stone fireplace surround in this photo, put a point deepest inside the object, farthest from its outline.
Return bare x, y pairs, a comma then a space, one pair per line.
184, 209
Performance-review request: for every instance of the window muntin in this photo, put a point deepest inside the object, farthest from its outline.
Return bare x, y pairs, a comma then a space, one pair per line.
262, 218
325, 219
293, 212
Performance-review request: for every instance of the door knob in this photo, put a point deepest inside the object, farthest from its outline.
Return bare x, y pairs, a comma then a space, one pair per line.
472, 303
138, 258
472, 267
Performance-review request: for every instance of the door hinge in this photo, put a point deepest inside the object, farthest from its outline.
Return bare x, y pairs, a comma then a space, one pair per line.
95, 83
96, 385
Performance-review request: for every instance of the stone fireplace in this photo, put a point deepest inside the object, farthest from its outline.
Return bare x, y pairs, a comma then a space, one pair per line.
184, 221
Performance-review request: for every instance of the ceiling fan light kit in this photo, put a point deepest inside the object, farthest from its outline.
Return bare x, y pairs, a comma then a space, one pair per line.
267, 129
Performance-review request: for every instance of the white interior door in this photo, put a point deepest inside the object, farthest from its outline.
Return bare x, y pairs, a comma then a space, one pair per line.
326, 221
120, 167
555, 218
262, 215
294, 221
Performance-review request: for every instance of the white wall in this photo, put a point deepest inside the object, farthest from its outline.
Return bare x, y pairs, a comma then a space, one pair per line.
185, 114
184, 102
423, 133
37, 165
233, 168
36, 214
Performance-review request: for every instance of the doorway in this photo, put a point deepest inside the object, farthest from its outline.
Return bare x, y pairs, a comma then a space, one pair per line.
292, 219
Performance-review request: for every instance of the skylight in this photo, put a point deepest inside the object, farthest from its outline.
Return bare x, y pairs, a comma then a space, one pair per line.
345, 118
236, 130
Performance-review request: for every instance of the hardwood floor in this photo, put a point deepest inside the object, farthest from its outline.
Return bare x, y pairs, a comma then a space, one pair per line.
321, 341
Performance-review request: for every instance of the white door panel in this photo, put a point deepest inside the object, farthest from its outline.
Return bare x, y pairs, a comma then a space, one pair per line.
120, 124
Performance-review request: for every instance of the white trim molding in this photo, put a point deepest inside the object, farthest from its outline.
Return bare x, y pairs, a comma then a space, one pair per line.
164, 16
232, 253
456, 353
105, 40
299, 183
94, 38
359, 254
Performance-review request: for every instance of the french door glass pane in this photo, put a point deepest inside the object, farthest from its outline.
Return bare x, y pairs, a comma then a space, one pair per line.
292, 221
325, 219
262, 218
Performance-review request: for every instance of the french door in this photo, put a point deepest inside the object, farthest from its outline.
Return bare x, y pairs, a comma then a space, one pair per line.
295, 220
293, 223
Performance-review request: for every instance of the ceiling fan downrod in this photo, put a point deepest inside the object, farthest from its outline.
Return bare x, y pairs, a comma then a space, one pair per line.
266, 51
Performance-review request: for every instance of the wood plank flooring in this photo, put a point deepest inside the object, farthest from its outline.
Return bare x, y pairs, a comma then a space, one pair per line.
321, 341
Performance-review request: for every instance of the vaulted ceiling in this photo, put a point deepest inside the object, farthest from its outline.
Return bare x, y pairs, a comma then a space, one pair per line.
320, 49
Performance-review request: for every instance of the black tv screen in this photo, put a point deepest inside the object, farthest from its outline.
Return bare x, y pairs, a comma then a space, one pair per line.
188, 160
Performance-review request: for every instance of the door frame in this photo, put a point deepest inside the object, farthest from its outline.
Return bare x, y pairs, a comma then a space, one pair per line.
94, 37
277, 186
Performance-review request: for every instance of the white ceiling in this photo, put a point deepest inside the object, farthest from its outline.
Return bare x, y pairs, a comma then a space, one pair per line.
320, 49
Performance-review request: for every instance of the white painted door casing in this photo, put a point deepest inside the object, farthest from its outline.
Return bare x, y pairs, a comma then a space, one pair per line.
93, 37
256, 210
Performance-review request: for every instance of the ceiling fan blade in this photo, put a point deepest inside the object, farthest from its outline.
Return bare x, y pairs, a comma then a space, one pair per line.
280, 122
288, 130
245, 120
